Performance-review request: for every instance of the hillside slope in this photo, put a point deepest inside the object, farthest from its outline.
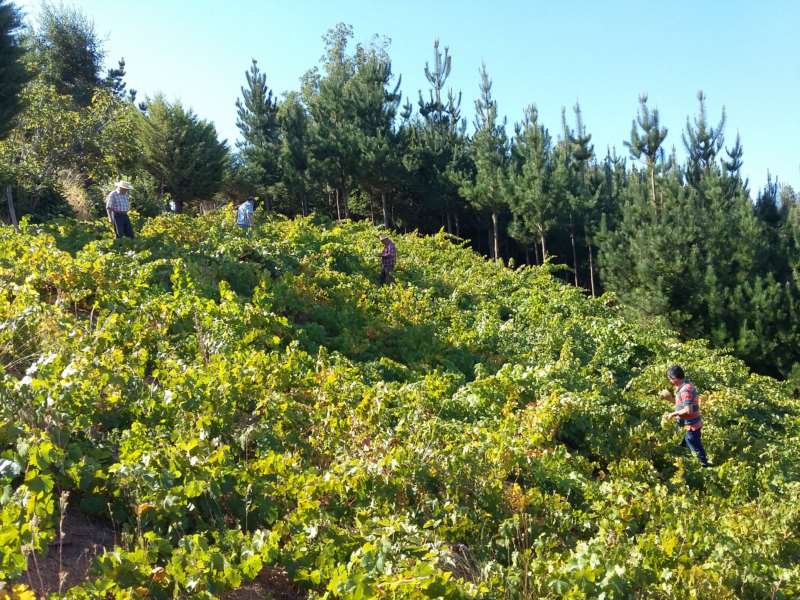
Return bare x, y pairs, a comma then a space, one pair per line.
232, 405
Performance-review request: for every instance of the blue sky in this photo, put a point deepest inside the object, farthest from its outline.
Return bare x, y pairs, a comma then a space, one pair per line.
744, 55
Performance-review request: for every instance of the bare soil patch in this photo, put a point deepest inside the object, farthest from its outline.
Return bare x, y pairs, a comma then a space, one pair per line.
273, 583
84, 538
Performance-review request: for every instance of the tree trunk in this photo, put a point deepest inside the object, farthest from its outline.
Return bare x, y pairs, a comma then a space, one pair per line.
345, 202
653, 183
385, 206
495, 236
536, 253
591, 267
527, 254
338, 209
11, 212
458, 226
544, 247
449, 217
574, 253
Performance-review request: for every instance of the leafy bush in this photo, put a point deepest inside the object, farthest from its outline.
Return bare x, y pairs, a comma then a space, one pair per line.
237, 403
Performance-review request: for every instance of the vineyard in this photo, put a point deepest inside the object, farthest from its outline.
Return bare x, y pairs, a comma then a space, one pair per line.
234, 407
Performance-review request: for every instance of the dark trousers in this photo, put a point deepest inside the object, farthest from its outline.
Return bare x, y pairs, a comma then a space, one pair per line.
122, 225
386, 276
693, 441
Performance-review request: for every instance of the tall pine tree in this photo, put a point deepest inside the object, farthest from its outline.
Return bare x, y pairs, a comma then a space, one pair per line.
257, 120
702, 142
532, 203
294, 157
488, 191
647, 144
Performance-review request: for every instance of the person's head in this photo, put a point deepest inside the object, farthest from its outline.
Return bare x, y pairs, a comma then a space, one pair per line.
675, 374
385, 238
123, 187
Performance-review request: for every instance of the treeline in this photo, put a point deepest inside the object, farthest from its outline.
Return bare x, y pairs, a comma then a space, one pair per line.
685, 241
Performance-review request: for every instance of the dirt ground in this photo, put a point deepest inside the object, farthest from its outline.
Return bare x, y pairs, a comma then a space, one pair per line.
86, 537
271, 583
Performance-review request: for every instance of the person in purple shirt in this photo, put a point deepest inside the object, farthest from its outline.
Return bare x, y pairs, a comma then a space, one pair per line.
388, 259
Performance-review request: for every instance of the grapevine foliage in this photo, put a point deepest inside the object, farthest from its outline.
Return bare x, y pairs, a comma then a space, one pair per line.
234, 404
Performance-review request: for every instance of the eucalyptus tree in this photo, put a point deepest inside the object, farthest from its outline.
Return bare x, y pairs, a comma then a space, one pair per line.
66, 52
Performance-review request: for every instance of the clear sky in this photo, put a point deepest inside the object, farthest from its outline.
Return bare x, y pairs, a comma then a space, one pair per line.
744, 54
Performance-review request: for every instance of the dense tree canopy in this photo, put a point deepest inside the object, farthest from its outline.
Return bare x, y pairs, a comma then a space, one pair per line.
679, 240
182, 152
12, 70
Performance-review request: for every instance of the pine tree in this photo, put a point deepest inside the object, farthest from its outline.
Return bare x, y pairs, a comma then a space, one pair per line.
294, 157
182, 152
731, 167
257, 120
702, 142
581, 149
647, 145
434, 144
376, 103
488, 191
115, 82
333, 130
580, 198
532, 204
66, 52
12, 71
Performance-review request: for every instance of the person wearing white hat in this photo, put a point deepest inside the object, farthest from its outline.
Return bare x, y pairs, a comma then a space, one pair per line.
117, 206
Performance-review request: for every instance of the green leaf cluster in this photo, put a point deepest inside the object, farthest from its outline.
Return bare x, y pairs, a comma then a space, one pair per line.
239, 404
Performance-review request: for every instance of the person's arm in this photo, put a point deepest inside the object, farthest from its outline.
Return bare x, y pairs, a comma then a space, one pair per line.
686, 398
684, 411
109, 210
